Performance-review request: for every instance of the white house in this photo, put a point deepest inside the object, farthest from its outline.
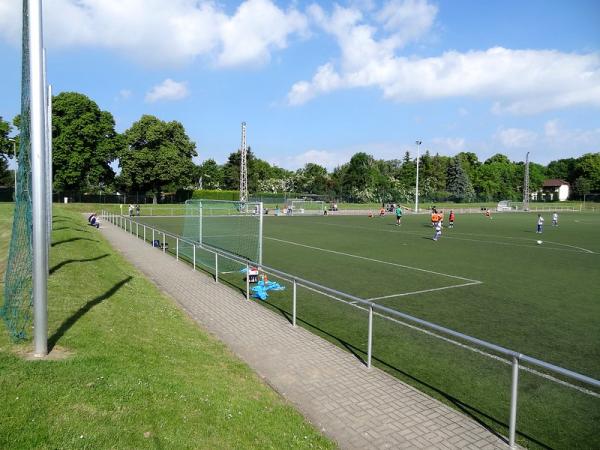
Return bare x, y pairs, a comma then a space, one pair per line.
552, 190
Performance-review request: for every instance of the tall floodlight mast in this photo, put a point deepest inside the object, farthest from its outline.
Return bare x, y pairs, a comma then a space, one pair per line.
526, 184
243, 167
417, 183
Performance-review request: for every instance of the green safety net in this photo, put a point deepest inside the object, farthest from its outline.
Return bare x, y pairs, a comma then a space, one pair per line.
18, 282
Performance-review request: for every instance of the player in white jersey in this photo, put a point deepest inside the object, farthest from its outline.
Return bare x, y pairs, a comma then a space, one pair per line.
555, 219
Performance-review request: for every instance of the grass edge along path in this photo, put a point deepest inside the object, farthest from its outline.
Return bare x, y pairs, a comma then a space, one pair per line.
138, 372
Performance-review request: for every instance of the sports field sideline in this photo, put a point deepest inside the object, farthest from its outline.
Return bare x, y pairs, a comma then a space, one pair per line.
486, 278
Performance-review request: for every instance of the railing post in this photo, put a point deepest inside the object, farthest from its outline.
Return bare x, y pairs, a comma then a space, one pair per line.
194, 257
216, 267
144, 233
152, 237
137, 229
164, 244
512, 425
294, 304
177, 248
247, 281
370, 339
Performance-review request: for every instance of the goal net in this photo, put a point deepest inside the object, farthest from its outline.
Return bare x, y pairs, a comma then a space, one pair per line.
308, 207
235, 227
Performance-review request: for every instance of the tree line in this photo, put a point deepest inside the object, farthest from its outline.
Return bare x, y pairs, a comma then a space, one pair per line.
156, 156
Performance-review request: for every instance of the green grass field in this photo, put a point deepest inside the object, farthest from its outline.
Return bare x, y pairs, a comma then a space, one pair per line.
486, 278
136, 373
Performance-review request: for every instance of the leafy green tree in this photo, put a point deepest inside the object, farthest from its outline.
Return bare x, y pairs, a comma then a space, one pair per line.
582, 186
458, 183
359, 180
313, 179
157, 154
588, 167
6, 145
562, 169
84, 143
211, 174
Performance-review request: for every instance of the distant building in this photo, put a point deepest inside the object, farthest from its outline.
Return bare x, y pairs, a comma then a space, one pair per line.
552, 190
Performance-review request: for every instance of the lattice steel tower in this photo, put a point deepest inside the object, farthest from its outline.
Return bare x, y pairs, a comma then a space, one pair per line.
526, 184
243, 167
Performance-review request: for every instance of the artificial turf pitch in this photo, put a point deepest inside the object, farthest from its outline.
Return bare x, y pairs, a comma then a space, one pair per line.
485, 278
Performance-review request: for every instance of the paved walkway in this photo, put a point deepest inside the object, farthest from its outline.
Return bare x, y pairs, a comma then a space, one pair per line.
359, 408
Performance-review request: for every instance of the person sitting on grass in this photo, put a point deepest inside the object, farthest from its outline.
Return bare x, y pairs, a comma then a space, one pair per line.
93, 221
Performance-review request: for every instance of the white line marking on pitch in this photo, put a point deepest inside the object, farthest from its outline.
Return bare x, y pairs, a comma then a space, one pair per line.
424, 291
373, 260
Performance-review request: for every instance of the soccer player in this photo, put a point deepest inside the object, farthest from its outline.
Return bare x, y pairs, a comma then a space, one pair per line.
438, 231
398, 215
540, 224
382, 212
488, 213
451, 219
555, 219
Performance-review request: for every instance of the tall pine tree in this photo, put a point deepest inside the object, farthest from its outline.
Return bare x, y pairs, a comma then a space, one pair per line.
458, 183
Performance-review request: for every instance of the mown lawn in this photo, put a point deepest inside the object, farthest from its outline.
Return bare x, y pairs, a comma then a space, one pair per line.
136, 372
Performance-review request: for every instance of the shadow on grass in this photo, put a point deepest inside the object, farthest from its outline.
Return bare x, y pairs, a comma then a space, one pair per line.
471, 411
64, 241
71, 228
68, 323
70, 261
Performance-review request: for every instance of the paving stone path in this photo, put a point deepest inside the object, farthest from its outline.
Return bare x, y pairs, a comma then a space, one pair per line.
359, 408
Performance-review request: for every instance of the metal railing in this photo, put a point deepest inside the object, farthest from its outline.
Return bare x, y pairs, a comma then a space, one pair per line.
515, 357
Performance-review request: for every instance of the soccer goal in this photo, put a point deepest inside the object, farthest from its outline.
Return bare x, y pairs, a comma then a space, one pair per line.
235, 227
308, 207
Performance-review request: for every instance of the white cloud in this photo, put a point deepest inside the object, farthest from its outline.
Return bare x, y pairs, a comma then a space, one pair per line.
516, 137
517, 81
571, 139
168, 90
156, 32
448, 145
124, 94
327, 159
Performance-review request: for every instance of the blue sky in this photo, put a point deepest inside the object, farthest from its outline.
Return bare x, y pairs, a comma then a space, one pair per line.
319, 81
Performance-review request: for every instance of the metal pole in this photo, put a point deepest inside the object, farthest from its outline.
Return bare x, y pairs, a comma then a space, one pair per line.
512, 425
294, 305
247, 281
152, 237
177, 248
144, 233
137, 230
417, 184
38, 185
164, 244
370, 339
194, 257
216, 267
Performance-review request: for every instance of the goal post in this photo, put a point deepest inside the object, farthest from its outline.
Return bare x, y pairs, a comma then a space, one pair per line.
233, 226
308, 207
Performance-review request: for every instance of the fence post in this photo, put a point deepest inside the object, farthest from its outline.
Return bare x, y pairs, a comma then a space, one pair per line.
194, 257
216, 267
164, 244
247, 281
294, 305
177, 248
370, 340
144, 233
512, 425
137, 229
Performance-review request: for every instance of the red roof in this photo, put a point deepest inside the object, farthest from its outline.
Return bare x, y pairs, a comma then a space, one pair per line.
555, 182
